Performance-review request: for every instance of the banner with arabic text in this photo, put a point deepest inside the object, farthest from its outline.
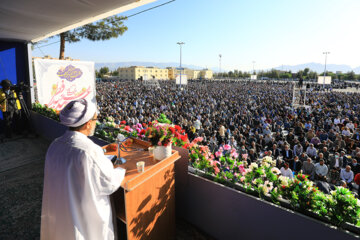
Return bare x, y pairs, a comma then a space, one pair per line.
58, 81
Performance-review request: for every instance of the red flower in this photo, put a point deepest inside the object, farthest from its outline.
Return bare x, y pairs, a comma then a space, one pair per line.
283, 187
177, 127
123, 122
172, 130
144, 124
127, 128
142, 132
184, 137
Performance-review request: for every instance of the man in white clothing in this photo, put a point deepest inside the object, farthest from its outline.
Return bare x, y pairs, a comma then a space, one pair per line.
78, 180
286, 171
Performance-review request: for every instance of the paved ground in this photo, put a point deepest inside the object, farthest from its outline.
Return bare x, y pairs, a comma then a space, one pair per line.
21, 183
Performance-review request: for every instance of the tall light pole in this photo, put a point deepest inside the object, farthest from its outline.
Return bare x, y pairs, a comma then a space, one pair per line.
326, 53
180, 44
253, 67
220, 63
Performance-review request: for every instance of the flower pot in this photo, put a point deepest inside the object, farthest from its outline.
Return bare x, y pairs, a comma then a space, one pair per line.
161, 152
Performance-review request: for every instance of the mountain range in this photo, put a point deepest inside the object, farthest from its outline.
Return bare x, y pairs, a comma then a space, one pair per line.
317, 67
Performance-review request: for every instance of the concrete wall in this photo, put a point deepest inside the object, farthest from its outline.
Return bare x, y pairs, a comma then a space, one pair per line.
226, 213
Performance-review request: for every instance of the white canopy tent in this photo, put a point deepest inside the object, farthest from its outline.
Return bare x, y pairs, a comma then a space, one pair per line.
34, 20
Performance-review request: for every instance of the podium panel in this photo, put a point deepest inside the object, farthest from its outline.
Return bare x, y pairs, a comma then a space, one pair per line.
145, 203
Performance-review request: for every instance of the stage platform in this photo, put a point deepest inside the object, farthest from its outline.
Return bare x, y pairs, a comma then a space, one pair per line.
21, 174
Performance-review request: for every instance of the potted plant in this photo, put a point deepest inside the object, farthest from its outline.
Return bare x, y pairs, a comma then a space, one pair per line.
162, 136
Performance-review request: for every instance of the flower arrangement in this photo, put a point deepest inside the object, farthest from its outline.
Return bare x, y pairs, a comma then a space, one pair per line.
343, 207
300, 191
224, 164
180, 137
46, 111
265, 179
160, 135
200, 156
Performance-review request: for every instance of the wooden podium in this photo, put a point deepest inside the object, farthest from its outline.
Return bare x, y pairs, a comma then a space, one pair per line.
145, 203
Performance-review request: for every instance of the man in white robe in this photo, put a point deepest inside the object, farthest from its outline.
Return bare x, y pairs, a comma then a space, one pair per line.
78, 180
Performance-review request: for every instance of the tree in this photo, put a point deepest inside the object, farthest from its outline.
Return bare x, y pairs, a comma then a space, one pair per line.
306, 72
236, 73
274, 74
105, 29
313, 75
103, 71
115, 73
351, 75
300, 74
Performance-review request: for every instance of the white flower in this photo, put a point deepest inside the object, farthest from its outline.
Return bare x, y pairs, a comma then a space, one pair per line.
275, 170
264, 188
284, 181
268, 184
253, 166
266, 164
269, 160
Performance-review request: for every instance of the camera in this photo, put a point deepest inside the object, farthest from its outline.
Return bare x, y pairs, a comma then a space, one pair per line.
21, 87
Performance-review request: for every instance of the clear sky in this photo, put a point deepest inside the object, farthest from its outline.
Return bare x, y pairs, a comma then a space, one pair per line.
269, 32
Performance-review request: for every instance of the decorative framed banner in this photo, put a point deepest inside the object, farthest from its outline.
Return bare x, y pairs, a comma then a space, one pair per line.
58, 82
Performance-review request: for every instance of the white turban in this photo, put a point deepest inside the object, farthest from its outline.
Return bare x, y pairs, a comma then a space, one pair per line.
77, 112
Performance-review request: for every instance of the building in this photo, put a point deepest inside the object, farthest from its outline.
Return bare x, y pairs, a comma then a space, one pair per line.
190, 73
140, 72
206, 74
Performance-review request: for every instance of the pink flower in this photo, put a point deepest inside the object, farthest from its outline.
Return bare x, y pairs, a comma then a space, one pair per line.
242, 179
227, 147
217, 170
218, 154
159, 143
235, 154
138, 130
242, 169
212, 156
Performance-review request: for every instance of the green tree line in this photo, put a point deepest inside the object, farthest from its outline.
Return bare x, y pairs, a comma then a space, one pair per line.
306, 74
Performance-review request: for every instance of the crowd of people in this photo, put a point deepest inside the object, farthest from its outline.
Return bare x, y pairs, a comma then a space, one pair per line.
256, 118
